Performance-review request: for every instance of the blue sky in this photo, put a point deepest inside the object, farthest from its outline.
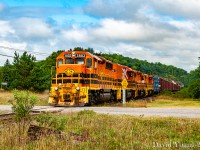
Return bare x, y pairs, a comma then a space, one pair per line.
164, 31
45, 3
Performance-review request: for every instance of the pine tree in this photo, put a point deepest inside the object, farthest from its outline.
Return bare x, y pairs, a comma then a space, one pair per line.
7, 73
22, 67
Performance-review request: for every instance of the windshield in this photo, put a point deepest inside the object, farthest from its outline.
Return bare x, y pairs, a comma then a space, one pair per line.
77, 61
69, 61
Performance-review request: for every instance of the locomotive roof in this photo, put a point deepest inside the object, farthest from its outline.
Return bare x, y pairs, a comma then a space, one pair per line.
96, 57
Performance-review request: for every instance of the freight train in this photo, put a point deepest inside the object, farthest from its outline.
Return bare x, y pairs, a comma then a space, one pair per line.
83, 78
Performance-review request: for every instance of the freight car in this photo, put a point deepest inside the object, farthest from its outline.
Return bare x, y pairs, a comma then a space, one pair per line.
161, 84
83, 78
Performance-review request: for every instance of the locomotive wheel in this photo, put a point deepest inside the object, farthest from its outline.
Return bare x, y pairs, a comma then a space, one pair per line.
113, 96
93, 98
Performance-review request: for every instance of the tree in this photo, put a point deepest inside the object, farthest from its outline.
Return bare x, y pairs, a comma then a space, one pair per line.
78, 49
194, 89
1, 74
7, 73
40, 77
90, 50
51, 60
22, 67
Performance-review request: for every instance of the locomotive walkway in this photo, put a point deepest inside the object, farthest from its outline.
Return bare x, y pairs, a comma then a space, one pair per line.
144, 112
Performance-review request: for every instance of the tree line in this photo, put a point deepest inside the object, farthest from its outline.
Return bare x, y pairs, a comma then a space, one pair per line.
26, 73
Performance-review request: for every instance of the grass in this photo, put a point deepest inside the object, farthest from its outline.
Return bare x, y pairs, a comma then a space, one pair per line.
88, 130
170, 102
5, 96
161, 101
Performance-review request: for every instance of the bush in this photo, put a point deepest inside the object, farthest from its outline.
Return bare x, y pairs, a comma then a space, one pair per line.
194, 89
183, 93
166, 92
86, 112
52, 121
22, 104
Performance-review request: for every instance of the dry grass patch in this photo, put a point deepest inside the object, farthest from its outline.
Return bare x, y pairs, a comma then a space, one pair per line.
88, 130
6, 96
168, 101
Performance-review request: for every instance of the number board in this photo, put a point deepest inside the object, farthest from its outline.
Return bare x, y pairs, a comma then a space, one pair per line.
68, 55
80, 55
77, 55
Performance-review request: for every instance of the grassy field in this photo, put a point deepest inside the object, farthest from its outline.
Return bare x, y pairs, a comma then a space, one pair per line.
5, 96
88, 130
160, 101
156, 101
167, 101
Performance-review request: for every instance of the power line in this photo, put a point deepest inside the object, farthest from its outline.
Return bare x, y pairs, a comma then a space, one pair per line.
13, 57
6, 55
15, 49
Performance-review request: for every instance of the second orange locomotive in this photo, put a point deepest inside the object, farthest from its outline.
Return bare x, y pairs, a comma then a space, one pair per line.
83, 78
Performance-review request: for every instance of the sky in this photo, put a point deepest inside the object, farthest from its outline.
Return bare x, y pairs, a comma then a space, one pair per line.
166, 31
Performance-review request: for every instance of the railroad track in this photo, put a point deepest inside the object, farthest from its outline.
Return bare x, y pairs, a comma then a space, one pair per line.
34, 112
6, 116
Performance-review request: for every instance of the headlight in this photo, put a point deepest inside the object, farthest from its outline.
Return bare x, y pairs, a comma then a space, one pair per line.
77, 88
56, 88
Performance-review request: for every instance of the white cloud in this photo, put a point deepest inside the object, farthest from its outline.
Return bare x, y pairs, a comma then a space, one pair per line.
125, 9
121, 30
32, 28
5, 28
128, 9
142, 29
182, 8
9, 52
76, 35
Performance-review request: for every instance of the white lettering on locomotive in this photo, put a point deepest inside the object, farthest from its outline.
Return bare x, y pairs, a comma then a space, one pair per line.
80, 55
67, 55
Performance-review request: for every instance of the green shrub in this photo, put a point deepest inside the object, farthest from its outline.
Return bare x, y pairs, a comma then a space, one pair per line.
22, 104
86, 112
52, 121
183, 93
166, 92
194, 89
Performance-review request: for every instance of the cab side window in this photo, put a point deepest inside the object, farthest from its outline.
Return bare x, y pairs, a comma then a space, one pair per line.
89, 63
60, 61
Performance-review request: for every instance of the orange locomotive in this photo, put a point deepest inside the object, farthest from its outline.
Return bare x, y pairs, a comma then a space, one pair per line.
83, 78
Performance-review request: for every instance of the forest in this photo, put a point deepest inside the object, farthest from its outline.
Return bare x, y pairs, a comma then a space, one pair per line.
27, 73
